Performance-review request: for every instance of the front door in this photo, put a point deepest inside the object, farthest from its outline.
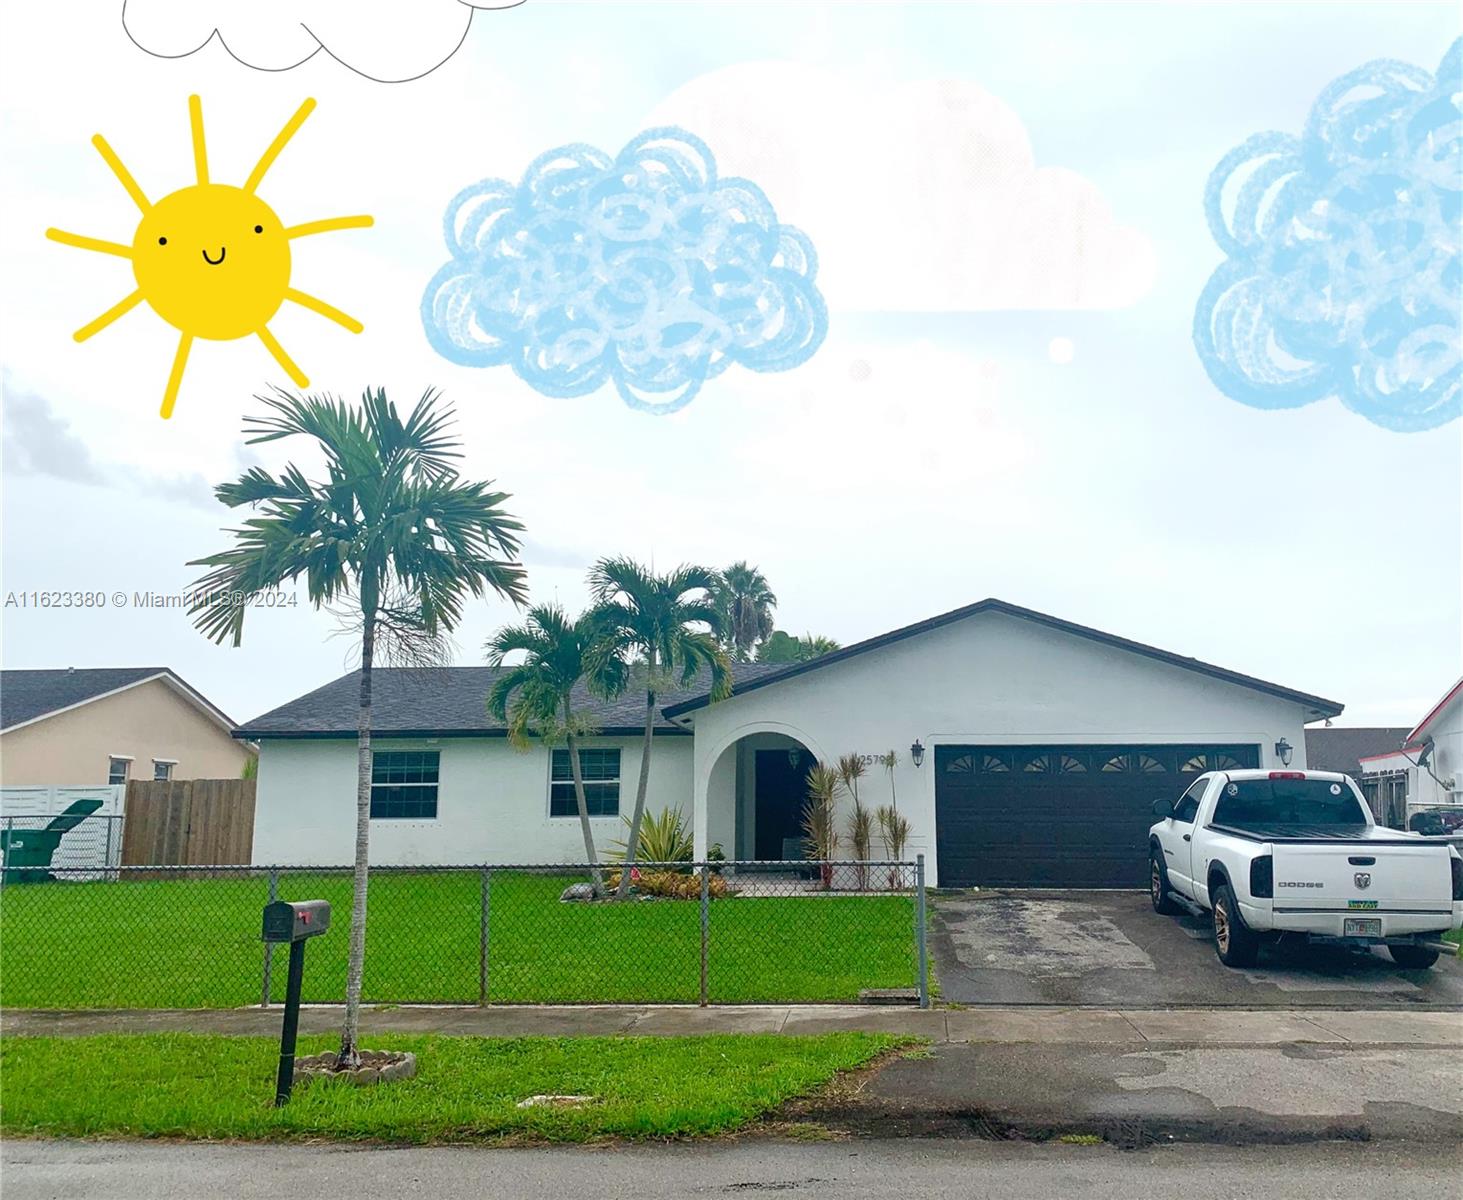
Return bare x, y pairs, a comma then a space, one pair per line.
781, 789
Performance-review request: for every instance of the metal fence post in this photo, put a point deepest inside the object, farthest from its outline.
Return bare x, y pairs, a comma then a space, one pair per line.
921, 947
705, 924
484, 912
269, 946
9, 837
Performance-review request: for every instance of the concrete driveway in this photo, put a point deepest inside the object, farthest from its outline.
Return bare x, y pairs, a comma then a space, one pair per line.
1111, 949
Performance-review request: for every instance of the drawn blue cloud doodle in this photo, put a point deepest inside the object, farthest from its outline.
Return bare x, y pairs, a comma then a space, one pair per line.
390, 41
1343, 277
643, 269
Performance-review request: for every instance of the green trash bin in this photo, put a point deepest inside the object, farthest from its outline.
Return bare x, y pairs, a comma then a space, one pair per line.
27, 853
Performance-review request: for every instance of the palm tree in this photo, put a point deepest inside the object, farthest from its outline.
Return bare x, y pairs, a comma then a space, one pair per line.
392, 535
782, 647
746, 603
558, 653
651, 618
816, 645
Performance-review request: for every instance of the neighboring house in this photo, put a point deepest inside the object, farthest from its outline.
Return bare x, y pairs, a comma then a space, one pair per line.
108, 725
1030, 752
1425, 769
1342, 749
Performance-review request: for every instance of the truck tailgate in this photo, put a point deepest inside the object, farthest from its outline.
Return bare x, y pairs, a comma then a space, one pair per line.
1356, 876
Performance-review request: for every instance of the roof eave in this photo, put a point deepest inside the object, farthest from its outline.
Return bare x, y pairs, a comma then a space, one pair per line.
269, 735
1319, 706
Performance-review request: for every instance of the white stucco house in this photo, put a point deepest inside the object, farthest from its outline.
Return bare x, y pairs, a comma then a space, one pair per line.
1030, 750
1425, 772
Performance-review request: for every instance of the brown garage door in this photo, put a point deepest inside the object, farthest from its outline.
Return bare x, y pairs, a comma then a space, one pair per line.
1059, 816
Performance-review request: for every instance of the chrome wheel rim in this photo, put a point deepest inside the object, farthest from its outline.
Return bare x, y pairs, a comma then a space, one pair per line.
1155, 880
1221, 926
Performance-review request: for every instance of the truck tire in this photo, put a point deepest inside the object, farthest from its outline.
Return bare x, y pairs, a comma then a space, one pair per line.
1235, 944
1158, 890
1414, 958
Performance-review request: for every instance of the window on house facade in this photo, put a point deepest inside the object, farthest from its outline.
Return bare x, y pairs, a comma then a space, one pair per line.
118, 769
601, 771
162, 769
404, 785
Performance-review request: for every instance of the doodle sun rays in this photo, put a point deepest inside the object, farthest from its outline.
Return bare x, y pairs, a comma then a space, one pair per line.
212, 260
1342, 276
643, 269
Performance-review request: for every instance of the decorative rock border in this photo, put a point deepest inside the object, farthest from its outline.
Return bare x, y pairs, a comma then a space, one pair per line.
377, 1066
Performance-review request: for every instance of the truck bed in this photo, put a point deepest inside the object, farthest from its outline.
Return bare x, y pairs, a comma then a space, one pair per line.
1286, 833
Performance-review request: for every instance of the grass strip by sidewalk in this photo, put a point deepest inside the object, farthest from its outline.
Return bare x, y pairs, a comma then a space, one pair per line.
466, 1088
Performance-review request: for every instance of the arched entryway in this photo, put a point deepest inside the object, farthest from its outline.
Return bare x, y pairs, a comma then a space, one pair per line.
754, 796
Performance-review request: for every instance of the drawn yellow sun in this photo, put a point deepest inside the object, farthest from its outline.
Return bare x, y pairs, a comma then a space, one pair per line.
212, 260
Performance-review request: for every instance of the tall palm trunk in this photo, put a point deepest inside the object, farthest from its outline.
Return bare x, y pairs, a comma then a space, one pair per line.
633, 845
590, 854
349, 1052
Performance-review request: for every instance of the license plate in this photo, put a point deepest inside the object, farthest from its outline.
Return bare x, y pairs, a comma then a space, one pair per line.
1361, 927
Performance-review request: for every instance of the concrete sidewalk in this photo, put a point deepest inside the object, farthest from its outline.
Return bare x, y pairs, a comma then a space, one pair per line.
1108, 1028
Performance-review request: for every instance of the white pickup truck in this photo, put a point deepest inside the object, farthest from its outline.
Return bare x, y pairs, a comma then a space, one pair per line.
1280, 853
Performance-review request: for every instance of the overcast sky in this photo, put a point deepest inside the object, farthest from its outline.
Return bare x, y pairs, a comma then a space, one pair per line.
1037, 428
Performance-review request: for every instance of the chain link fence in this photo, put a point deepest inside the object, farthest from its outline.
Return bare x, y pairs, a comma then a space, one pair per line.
714, 932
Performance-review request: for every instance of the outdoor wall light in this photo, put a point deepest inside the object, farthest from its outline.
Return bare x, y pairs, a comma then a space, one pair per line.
794, 756
917, 752
1283, 751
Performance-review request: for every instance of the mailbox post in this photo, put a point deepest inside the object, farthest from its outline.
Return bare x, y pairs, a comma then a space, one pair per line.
294, 923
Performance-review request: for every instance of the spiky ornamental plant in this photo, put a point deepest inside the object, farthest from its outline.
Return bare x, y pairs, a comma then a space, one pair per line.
820, 822
536, 695
861, 821
893, 825
392, 538
667, 626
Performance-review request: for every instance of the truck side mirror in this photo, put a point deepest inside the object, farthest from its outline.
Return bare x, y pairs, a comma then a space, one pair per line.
1163, 808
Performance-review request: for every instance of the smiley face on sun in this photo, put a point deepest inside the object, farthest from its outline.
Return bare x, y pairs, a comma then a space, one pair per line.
212, 260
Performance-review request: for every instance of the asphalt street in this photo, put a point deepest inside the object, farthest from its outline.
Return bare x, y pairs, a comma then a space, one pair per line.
854, 1170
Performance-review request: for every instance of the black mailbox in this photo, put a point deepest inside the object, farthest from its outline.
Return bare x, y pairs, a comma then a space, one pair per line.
293, 922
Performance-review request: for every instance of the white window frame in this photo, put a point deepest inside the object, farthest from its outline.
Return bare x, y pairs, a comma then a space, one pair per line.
435, 786
170, 763
126, 760
618, 781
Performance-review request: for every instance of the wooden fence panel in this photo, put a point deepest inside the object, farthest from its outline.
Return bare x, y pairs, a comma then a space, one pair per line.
188, 822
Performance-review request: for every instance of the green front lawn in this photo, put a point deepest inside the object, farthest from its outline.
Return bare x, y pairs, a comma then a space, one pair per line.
1455, 936
466, 1089
195, 943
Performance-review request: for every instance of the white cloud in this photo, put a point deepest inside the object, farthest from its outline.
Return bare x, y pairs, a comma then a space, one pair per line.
919, 196
386, 40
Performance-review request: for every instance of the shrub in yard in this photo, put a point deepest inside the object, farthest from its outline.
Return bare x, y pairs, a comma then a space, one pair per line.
861, 834
664, 838
672, 885
820, 832
894, 825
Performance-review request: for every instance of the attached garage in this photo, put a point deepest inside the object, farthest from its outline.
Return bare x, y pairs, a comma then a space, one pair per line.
1028, 750
1059, 816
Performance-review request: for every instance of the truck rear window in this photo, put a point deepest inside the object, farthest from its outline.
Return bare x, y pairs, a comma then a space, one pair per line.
1245, 802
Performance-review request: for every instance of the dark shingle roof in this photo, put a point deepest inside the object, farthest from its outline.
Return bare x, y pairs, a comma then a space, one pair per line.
26, 695
1318, 705
1339, 749
449, 702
